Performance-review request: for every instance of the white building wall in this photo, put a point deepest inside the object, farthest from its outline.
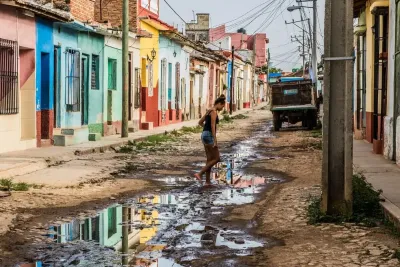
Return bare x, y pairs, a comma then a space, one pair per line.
388, 121
134, 48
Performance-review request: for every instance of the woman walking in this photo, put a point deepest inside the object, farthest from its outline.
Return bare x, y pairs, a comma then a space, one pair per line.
209, 138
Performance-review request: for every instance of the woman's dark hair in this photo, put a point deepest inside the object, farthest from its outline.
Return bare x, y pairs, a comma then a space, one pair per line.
220, 100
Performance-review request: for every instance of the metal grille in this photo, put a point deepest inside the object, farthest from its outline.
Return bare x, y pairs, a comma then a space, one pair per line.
9, 102
94, 77
163, 84
380, 71
138, 90
151, 93
177, 88
72, 79
112, 74
361, 82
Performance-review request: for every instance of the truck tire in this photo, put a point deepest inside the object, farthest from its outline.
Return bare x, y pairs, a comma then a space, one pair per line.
304, 122
311, 120
277, 121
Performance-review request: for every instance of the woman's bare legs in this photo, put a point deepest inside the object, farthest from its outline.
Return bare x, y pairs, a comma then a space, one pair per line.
213, 157
209, 158
198, 176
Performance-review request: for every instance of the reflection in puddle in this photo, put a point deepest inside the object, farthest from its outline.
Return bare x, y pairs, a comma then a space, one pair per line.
162, 230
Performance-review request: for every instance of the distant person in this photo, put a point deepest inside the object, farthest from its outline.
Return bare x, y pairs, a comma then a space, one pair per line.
209, 138
320, 101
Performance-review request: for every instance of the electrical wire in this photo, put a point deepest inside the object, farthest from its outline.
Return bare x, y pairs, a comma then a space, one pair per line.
175, 11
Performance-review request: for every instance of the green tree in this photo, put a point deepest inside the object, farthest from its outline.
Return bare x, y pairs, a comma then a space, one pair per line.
274, 70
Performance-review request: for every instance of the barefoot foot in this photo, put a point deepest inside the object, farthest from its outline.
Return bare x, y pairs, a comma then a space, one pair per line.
197, 176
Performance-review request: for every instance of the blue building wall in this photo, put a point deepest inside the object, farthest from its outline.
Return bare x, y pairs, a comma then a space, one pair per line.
66, 38
45, 45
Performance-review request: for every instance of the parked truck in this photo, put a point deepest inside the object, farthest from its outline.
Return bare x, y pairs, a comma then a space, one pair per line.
293, 102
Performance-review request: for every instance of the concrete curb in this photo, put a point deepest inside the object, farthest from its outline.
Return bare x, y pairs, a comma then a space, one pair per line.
391, 212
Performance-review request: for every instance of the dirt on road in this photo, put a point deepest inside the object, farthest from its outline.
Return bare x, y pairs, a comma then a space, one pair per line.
281, 215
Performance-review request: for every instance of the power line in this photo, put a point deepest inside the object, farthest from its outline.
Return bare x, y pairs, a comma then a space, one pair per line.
241, 15
175, 11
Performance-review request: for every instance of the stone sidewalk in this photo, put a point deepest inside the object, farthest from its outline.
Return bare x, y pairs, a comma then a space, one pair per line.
382, 174
32, 160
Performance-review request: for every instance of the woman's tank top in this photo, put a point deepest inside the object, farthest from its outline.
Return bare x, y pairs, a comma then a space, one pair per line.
207, 124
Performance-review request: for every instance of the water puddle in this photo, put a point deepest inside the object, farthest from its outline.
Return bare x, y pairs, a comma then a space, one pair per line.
164, 230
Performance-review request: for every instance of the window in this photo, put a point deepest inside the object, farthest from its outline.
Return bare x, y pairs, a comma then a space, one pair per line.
137, 88
112, 74
192, 36
145, 3
73, 79
112, 221
150, 66
154, 6
177, 87
163, 84
9, 103
361, 82
96, 229
94, 76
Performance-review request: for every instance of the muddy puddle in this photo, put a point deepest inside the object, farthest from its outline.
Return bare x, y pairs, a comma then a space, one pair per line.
165, 229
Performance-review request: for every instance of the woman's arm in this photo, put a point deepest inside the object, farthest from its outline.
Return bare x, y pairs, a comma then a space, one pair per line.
202, 120
213, 126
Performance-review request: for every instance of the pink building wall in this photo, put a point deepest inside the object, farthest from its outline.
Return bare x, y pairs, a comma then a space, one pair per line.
20, 129
16, 26
244, 41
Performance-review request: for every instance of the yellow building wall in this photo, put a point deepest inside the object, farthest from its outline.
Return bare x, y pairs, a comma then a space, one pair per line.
370, 59
146, 46
370, 51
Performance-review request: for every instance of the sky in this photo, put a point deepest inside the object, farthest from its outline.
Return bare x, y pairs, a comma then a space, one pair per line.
267, 16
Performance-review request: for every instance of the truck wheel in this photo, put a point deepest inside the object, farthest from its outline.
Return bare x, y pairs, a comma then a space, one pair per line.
304, 122
311, 120
277, 121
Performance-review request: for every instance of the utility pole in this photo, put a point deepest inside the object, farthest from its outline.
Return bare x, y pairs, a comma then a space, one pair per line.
337, 166
304, 57
303, 44
125, 233
125, 71
314, 46
254, 87
232, 79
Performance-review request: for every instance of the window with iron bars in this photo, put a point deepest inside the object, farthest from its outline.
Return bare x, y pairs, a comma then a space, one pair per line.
138, 95
94, 76
9, 102
72, 80
112, 74
150, 85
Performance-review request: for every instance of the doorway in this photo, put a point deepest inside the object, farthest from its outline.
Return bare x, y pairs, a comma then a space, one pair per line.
45, 95
130, 93
85, 90
380, 76
191, 100
143, 84
57, 84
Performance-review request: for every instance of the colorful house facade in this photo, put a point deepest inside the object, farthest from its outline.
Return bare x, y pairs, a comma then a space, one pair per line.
371, 68
17, 79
